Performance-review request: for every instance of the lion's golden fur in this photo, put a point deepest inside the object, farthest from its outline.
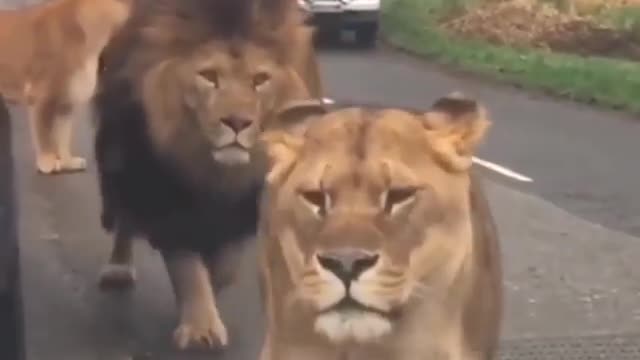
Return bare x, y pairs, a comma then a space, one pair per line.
49, 62
376, 239
165, 50
186, 88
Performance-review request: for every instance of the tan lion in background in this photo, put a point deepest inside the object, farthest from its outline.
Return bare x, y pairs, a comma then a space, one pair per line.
49, 61
377, 242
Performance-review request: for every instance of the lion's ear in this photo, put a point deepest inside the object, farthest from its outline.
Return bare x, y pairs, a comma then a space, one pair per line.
284, 138
455, 126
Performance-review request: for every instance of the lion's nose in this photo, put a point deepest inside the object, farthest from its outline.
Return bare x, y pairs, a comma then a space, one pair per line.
347, 264
237, 123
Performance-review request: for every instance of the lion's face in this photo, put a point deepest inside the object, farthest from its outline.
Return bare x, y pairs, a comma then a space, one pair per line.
372, 209
223, 95
233, 93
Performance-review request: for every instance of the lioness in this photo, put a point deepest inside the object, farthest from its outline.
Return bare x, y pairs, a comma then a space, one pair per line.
187, 87
49, 61
377, 243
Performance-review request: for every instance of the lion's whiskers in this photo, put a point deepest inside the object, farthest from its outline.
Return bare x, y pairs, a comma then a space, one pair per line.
389, 281
421, 291
309, 272
312, 282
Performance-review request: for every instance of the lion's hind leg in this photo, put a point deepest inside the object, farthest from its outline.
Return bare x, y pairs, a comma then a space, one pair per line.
51, 122
41, 118
119, 273
200, 322
63, 133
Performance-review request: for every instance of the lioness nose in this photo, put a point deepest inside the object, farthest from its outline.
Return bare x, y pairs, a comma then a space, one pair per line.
237, 123
347, 264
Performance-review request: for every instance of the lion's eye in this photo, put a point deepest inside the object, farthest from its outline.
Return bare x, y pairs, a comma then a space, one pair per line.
211, 76
317, 200
260, 80
395, 198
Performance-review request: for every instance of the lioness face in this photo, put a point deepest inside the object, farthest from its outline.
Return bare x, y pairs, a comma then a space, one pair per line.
233, 90
372, 205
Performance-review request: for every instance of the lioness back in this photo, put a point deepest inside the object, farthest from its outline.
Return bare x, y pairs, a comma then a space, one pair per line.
376, 239
53, 36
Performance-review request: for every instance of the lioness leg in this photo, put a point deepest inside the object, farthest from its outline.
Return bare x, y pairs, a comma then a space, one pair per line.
62, 136
119, 272
81, 87
51, 123
200, 322
41, 117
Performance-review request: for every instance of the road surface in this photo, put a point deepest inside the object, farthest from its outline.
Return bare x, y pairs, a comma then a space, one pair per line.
570, 235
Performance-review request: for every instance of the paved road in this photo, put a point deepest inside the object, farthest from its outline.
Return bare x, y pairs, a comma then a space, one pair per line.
570, 237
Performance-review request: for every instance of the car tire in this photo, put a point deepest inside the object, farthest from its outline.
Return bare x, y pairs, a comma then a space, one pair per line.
367, 34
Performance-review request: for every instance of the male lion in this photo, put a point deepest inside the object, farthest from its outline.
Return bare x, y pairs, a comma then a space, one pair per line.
187, 87
49, 61
377, 243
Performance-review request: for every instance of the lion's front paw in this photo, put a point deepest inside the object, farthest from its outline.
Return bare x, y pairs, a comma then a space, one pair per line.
117, 277
206, 331
73, 164
48, 164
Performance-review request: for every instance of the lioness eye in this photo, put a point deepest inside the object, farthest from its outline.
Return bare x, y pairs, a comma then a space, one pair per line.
211, 75
317, 200
395, 198
260, 79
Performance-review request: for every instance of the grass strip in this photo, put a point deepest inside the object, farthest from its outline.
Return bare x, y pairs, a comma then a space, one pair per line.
412, 25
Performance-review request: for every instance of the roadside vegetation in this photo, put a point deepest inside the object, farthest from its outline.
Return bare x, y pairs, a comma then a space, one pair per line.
586, 50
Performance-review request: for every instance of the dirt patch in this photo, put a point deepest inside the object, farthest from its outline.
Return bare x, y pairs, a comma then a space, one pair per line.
528, 23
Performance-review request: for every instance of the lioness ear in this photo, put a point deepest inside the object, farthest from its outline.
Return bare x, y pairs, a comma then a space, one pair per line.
455, 126
285, 138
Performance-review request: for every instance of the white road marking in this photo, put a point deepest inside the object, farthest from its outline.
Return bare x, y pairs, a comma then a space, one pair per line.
502, 170
487, 164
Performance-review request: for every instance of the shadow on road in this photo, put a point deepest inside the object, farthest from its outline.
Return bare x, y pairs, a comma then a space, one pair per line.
343, 42
10, 311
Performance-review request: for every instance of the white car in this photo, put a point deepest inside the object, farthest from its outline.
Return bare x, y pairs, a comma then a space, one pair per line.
335, 15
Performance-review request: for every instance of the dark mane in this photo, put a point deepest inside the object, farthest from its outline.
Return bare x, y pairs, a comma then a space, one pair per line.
137, 186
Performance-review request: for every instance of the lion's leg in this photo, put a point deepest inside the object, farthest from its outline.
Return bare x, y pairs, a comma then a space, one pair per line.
119, 272
266, 352
200, 322
63, 135
41, 119
223, 268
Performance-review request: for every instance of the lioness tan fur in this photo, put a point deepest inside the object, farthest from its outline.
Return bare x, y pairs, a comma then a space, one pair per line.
187, 87
49, 61
377, 242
